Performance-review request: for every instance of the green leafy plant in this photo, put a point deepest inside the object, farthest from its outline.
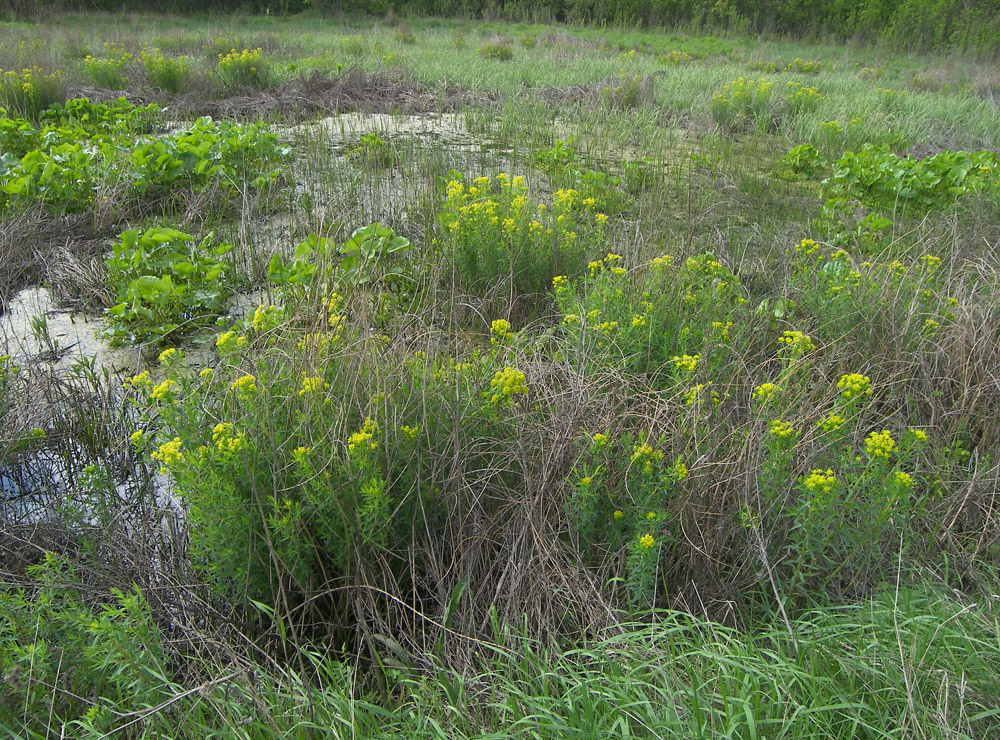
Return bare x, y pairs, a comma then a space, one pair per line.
374, 150
166, 283
368, 254
207, 153
879, 178
61, 179
69, 660
804, 160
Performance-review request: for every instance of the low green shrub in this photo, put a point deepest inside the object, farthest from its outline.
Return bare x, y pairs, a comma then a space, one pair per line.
207, 153
71, 663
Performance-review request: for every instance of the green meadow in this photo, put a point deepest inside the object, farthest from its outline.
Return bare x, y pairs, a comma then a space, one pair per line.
396, 377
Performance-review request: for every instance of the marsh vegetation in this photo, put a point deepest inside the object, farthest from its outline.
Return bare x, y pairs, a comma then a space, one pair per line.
371, 378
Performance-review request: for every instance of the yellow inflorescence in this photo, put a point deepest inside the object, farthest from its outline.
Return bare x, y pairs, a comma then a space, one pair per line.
164, 390
645, 456
245, 384
854, 385
687, 363
362, 439
807, 247
820, 481
507, 383
781, 429
312, 384
797, 341
832, 423
169, 453
225, 439
765, 392
499, 331
903, 480
880, 445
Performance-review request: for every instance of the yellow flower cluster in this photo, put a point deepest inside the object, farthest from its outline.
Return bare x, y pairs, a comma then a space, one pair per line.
832, 423
312, 384
741, 93
693, 395
225, 439
141, 380
687, 363
229, 342
500, 332
880, 444
409, 432
362, 439
781, 429
801, 97
169, 453
246, 59
902, 479
806, 248
646, 542
244, 385
820, 481
164, 390
507, 383
797, 341
930, 262
854, 385
600, 440
919, 435
167, 356
644, 455
765, 392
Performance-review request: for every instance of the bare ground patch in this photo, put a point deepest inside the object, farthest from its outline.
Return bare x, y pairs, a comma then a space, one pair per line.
355, 90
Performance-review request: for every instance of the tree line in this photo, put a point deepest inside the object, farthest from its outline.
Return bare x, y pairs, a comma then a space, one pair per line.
964, 25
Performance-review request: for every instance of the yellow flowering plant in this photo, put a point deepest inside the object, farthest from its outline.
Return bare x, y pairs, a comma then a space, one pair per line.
851, 512
671, 321
620, 491
497, 235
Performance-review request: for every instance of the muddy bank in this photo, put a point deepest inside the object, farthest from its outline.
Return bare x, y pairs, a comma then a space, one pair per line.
354, 90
